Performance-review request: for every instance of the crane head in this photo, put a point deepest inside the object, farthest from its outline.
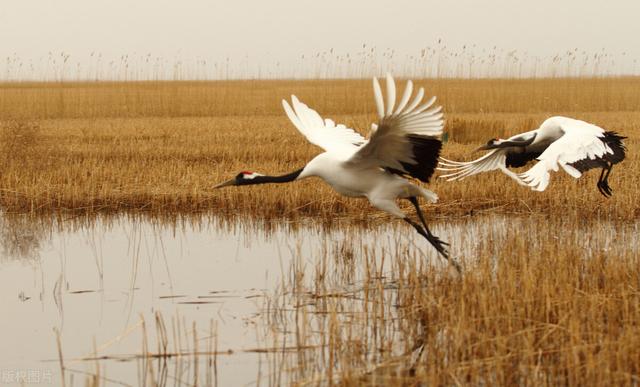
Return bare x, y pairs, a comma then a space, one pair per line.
491, 144
242, 178
522, 141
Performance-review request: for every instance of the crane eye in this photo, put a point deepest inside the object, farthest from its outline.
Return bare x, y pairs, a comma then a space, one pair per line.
246, 175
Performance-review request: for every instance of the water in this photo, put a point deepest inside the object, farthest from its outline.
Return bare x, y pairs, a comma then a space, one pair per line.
95, 281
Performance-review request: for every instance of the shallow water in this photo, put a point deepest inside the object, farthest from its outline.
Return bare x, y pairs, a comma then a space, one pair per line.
95, 280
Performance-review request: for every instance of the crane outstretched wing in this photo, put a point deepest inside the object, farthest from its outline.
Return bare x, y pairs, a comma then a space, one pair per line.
406, 140
494, 160
581, 141
497, 159
322, 132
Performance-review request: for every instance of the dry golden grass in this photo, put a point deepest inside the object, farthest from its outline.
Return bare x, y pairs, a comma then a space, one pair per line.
161, 146
544, 301
541, 307
528, 311
548, 309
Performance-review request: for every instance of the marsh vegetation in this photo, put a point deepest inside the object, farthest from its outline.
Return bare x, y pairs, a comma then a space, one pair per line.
161, 146
113, 235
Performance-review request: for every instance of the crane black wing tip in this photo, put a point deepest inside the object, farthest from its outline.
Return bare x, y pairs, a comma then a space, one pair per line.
517, 160
615, 142
615, 135
426, 151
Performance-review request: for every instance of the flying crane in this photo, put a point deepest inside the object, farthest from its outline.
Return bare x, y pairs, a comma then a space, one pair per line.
560, 142
405, 142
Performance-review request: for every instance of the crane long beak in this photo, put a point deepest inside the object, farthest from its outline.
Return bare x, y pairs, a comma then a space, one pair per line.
226, 183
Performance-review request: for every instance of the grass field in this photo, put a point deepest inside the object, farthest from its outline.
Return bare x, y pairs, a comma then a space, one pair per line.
556, 300
161, 146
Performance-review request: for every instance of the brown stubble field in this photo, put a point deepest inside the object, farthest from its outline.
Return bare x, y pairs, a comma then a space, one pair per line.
161, 146
556, 301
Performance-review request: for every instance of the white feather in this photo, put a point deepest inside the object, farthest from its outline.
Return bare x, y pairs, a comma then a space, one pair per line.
389, 145
391, 95
416, 100
408, 90
570, 141
377, 94
580, 140
323, 133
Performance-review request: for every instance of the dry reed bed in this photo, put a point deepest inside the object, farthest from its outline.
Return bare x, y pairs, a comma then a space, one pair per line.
549, 309
554, 307
160, 146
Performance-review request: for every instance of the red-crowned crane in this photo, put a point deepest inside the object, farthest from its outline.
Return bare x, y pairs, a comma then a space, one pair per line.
560, 142
404, 142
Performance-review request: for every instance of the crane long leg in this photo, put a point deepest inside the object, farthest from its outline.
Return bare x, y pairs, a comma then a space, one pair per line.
603, 181
434, 240
425, 232
599, 185
414, 201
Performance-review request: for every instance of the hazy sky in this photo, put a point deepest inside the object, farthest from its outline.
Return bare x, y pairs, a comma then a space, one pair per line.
270, 31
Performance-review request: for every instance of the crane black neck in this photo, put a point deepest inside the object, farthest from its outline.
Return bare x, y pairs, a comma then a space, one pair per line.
518, 142
272, 179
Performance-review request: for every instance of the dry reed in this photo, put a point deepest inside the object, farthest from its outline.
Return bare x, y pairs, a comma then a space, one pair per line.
161, 146
550, 308
533, 308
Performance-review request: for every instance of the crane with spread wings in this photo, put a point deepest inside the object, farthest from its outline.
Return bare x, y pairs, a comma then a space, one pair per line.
560, 142
405, 142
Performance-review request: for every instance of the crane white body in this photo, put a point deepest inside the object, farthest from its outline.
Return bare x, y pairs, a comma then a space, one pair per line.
404, 142
379, 186
572, 145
